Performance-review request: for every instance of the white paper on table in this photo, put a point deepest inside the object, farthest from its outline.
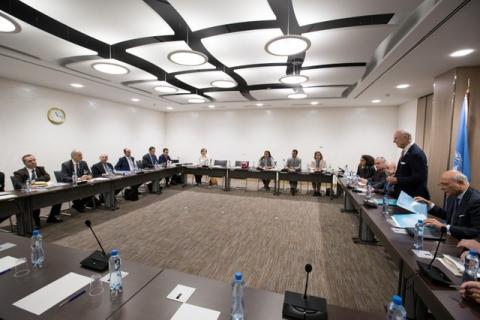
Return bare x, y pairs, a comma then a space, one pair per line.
7, 196
399, 230
181, 293
99, 179
106, 278
6, 245
408, 203
9, 263
423, 254
43, 299
191, 312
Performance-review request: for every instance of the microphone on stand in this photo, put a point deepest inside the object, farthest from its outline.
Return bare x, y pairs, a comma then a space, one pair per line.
98, 260
308, 269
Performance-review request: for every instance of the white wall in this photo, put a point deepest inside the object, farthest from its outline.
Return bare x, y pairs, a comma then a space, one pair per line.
92, 125
341, 134
407, 117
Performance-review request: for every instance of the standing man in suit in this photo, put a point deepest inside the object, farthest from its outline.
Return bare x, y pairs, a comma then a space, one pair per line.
412, 170
294, 164
33, 172
127, 162
80, 168
462, 207
150, 159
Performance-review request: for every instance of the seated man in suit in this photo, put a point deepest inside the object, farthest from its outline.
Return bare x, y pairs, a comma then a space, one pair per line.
412, 170
76, 166
127, 162
377, 181
103, 168
462, 207
389, 169
163, 160
294, 164
33, 173
150, 159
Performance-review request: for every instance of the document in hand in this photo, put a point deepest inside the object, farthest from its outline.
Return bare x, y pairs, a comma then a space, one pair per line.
408, 203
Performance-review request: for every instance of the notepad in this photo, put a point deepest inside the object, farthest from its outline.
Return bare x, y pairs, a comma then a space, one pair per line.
6, 245
408, 203
43, 299
191, 312
407, 220
8, 262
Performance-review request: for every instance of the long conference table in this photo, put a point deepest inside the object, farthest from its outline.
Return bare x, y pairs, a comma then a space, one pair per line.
144, 295
22, 203
419, 293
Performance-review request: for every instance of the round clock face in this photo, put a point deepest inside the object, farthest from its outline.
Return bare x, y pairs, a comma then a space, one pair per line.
56, 115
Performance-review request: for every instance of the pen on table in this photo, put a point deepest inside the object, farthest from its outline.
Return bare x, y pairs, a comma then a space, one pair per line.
71, 298
5, 271
179, 295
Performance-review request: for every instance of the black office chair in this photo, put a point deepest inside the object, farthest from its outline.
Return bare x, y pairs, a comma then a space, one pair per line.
220, 163
139, 164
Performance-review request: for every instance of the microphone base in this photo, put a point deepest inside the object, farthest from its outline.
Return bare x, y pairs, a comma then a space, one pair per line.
312, 308
434, 274
97, 261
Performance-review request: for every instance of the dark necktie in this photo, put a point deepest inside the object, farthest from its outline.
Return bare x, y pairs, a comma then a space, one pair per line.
453, 210
77, 168
34, 174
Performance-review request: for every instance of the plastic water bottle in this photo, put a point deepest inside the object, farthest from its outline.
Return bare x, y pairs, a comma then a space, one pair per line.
369, 194
28, 185
38, 255
237, 297
471, 266
396, 311
74, 179
418, 236
115, 269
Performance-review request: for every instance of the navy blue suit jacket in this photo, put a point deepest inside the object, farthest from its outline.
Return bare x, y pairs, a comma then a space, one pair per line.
412, 173
68, 170
163, 159
147, 161
122, 164
98, 170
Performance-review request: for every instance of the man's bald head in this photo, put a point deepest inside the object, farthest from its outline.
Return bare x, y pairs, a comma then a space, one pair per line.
402, 138
390, 168
453, 183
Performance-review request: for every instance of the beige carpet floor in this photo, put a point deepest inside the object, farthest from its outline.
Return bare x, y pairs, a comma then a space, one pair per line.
212, 233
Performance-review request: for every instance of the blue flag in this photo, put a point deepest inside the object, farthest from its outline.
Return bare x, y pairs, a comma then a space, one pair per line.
462, 155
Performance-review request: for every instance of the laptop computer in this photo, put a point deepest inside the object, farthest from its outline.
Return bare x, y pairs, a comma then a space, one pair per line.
429, 233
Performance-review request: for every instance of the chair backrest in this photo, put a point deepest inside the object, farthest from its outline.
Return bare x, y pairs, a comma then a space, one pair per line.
221, 163
58, 176
238, 163
14, 181
139, 164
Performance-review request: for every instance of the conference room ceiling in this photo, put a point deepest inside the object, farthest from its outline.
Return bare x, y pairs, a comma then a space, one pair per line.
359, 50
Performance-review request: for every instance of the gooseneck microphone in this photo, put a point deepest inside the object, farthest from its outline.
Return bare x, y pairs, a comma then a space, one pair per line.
89, 225
442, 231
308, 269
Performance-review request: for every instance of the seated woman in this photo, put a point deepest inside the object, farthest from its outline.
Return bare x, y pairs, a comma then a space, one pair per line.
317, 165
266, 162
366, 168
204, 160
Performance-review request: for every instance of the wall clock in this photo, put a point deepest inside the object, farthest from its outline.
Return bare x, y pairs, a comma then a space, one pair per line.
56, 115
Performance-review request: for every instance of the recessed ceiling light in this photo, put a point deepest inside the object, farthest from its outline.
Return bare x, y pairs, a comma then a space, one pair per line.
165, 89
297, 95
135, 99
314, 103
461, 53
211, 106
223, 84
7, 25
287, 45
76, 85
259, 104
293, 79
376, 101
403, 86
110, 68
196, 100
169, 108
187, 57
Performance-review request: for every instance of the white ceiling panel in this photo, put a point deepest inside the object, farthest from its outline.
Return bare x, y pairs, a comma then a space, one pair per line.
40, 44
354, 44
313, 11
209, 13
183, 98
157, 53
262, 75
324, 92
110, 21
226, 96
271, 94
150, 86
333, 76
134, 73
242, 48
202, 80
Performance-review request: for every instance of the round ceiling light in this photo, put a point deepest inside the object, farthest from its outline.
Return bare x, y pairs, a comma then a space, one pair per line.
259, 104
293, 79
196, 100
110, 68
7, 25
402, 86
223, 84
187, 57
297, 95
461, 53
76, 85
165, 89
376, 101
287, 45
